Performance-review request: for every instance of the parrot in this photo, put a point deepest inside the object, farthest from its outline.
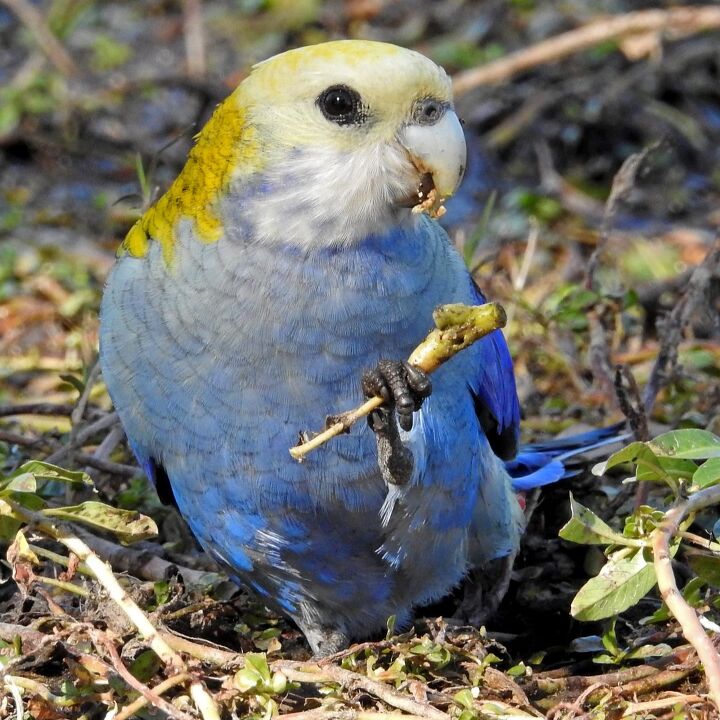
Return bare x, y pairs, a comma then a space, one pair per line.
284, 275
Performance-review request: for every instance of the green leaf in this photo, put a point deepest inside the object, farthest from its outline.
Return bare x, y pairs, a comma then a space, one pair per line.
586, 528
649, 651
23, 551
519, 670
688, 443
609, 639
607, 659
267, 640
708, 473
706, 567
8, 526
663, 467
75, 381
629, 454
255, 675
45, 471
24, 482
692, 592
127, 525
28, 500
621, 583
464, 699
145, 665
162, 592
12, 650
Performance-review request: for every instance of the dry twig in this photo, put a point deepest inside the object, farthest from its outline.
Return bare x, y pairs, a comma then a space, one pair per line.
312, 673
623, 182
457, 327
679, 20
33, 20
150, 696
684, 613
672, 328
194, 31
134, 707
104, 575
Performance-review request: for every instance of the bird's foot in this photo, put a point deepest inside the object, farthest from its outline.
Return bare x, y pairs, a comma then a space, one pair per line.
324, 641
484, 590
402, 386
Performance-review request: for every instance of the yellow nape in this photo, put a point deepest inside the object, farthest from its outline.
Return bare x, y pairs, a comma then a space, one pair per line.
224, 148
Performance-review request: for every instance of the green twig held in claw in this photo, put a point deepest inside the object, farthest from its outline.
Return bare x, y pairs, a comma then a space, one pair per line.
456, 327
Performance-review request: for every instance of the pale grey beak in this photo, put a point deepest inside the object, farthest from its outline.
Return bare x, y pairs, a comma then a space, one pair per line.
438, 149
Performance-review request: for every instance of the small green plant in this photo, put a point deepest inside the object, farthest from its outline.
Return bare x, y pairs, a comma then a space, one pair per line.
22, 502
687, 462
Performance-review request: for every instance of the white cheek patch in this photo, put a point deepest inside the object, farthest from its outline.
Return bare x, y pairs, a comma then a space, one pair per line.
319, 196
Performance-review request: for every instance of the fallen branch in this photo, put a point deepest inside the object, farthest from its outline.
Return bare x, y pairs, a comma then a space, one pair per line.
108, 466
312, 673
456, 327
694, 297
150, 696
641, 708
141, 563
684, 613
104, 575
83, 436
681, 20
138, 704
33, 20
36, 409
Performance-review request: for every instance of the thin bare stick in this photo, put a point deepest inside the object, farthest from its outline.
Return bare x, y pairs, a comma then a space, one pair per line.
104, 575
641, 708
139, 703
9, 683
309, 672
681, 20
79, 411
201, 651
334, 713
83, 435
40, 690
141, 563
36, 408
33, 20
622, 184
194, 31
694, 297
684, 613
12, 438
112, 468
151, 697
456, 327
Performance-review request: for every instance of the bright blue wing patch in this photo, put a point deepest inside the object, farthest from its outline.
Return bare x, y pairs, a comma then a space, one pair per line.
543, 463
495, 392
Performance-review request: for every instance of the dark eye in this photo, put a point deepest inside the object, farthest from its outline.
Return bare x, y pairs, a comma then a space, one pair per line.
429, 111
341, 104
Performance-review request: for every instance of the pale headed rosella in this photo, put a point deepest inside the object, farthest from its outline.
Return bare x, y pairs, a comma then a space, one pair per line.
250, 300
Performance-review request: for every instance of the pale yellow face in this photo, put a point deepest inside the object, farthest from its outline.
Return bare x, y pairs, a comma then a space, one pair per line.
284, 94
370, 121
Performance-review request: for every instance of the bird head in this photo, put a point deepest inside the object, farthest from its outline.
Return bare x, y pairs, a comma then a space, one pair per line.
322, 144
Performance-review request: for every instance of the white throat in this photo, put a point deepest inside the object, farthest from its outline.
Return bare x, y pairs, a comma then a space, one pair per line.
319, 197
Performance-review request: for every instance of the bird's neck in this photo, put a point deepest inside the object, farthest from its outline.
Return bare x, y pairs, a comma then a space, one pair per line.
318, 197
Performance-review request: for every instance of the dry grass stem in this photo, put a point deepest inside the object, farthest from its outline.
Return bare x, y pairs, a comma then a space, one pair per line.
679, 20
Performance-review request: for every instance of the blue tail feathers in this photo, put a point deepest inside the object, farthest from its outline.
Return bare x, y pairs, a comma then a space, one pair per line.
543, 463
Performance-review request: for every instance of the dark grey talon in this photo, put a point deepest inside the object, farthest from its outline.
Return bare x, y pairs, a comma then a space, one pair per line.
398, 383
